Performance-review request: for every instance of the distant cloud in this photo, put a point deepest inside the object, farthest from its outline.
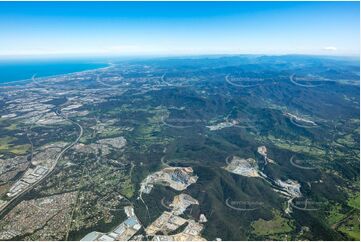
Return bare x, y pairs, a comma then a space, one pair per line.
330, 48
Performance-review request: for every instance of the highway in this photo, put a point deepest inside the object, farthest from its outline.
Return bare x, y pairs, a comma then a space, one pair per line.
72, 144
2, 209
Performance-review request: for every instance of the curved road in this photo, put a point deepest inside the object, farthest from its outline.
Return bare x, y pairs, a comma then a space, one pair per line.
53, 166
72, 144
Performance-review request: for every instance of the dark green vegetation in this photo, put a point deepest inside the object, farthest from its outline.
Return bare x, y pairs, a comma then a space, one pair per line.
170, 112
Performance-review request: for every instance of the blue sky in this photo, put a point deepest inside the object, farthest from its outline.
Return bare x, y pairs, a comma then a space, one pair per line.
178, 28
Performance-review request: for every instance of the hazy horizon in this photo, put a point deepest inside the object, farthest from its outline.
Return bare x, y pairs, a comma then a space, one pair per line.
134, 29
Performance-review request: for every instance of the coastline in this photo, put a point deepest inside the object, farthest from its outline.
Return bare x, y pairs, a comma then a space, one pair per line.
30, 80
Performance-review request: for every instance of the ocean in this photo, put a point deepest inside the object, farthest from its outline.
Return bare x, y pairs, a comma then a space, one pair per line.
16, 70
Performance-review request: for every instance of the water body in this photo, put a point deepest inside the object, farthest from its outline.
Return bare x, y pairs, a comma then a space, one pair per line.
12, 71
